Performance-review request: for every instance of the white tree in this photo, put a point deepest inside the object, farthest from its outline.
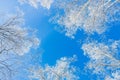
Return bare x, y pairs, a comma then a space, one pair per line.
15, 40
62, 70
91, 15
36, 3
104, 57
115, 76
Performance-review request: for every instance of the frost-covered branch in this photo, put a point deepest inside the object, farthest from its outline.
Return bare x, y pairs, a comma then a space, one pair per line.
92, 16
62, 70
103, 57
37, 3
15, 40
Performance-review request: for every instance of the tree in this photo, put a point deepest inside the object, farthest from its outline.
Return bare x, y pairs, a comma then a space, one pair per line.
36, 3
15, 40
92, 16
62, 70
104, 57
115, 76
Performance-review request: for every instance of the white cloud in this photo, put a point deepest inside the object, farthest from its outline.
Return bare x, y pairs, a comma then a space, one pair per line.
103, 56
62, 70
36, 3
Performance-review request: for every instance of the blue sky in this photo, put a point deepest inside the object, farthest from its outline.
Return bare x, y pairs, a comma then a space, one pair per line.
55, 44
